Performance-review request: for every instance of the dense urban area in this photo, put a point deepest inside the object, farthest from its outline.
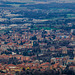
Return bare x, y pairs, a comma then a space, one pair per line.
37, 37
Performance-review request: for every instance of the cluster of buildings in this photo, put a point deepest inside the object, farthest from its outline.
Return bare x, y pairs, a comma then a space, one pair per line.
28, 44
36, 50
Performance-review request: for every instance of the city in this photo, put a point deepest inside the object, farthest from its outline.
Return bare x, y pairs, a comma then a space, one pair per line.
37, 38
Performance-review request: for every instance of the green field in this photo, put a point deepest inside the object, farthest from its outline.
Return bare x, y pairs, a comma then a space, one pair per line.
39, 28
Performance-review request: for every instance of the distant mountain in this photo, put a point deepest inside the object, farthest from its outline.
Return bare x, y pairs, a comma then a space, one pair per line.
17, 0
59, 1
43, 0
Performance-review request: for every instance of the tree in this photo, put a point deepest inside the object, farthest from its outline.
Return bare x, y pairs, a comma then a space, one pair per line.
34, 38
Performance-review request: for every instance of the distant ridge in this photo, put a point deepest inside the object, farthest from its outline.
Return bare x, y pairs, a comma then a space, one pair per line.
17, 0
66, 1
58, 1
